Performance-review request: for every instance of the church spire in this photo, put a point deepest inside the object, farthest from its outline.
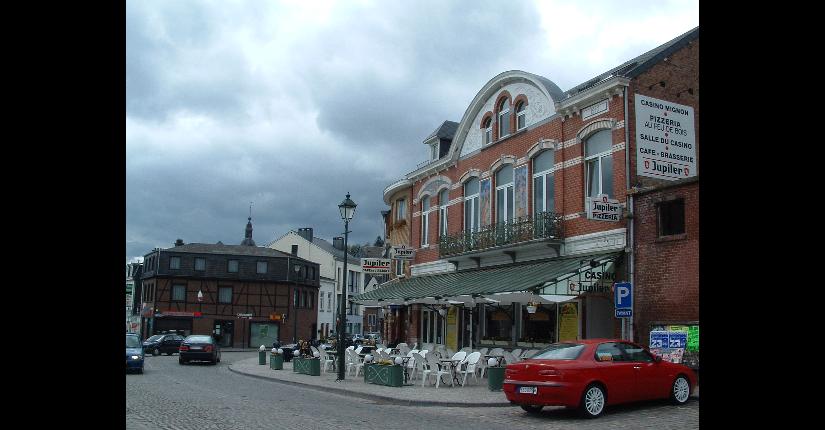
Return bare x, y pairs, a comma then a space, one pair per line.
248, 234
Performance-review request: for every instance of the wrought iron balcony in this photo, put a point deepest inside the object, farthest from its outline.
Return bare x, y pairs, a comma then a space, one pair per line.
543, 225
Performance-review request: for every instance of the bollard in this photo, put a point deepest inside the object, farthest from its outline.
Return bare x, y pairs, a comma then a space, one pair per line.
262, 355
276, 362
495, 378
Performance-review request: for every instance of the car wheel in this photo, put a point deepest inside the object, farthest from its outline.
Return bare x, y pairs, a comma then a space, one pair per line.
532, 409
680, 392
593, 401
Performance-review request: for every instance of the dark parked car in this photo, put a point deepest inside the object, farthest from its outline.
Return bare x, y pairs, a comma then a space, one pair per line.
162, 344
201, 348
134, 353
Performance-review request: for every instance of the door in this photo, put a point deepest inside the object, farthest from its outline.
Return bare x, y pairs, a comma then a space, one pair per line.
223, 332
262, 334
651, 378
617, 372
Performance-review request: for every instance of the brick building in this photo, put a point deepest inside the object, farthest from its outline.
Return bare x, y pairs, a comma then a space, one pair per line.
528, 200
244, 295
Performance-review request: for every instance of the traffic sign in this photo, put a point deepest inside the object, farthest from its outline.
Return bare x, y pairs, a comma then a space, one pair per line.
623, 295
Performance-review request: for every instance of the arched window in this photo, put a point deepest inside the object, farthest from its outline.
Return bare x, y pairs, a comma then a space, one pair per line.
425, 220
521, 116
598, 158
543, 183
488, 131
503, 118
443, 199
504, 194
471, 207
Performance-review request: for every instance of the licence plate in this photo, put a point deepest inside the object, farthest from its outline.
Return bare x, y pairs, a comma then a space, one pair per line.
528, 390
196, 348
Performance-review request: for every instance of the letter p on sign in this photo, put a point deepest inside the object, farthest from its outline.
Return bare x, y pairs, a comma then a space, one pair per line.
623, 299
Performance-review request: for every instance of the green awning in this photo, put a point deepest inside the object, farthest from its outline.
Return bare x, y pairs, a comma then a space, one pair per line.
526, 276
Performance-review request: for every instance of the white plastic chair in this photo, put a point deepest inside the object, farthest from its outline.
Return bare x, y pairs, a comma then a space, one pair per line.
422, 366
483, 351
508, 357
517, 353
438, 370
469, 366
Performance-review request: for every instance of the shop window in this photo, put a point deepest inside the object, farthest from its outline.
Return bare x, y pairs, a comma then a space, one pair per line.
671, 217
539, 326
174, 262
598, 158
178, 293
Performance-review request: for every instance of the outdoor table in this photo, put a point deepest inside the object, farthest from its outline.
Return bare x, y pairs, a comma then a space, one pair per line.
453, 366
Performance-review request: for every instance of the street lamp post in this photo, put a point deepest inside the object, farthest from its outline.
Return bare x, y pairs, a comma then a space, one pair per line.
347, 208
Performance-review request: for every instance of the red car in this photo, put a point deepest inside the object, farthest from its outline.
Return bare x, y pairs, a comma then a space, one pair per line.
590, 374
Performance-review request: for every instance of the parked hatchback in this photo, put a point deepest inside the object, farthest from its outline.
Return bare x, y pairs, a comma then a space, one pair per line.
200, 348
162, 344
134, 353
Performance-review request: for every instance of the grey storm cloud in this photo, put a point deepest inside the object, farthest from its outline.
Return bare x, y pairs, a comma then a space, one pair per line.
291, 105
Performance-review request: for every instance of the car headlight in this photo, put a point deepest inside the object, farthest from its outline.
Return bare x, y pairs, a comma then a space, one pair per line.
136, 357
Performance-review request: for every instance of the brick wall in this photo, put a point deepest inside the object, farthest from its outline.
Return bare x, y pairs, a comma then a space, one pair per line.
667, 269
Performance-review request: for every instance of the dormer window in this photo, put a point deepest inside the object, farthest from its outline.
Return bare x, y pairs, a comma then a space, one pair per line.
434, 151
521, 116
503, 119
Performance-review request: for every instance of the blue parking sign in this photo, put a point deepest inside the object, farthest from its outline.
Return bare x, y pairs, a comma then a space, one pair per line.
623, 295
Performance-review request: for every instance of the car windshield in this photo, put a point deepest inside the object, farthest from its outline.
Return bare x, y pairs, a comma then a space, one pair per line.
132, 342
205, 339
154, 338
560, 351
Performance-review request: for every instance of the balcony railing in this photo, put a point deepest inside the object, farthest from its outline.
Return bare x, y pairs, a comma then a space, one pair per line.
543, 225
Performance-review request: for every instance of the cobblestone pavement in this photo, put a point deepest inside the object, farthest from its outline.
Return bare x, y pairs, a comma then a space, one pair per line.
203, 396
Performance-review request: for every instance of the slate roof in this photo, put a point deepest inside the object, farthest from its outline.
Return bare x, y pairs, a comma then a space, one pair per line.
636, 66
339, 255
215, 248
445, 131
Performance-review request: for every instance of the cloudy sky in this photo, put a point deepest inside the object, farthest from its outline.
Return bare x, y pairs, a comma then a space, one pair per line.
292, 104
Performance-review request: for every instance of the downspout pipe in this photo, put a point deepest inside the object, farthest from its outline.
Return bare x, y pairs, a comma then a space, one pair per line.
631, 237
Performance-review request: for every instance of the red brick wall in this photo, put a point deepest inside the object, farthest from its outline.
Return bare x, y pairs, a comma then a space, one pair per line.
569, 186
666, 270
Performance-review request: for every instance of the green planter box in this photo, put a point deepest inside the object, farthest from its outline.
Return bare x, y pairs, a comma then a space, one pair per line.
276, 362
262, 358
307, 366
495, 378
391, 376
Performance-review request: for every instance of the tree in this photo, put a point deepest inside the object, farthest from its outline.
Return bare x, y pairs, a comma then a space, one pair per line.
355, 250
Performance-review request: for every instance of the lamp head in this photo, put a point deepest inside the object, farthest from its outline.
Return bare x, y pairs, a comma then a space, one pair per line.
347, 208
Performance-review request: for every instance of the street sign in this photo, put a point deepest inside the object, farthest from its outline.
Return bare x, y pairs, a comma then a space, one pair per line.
623, 294
403, 252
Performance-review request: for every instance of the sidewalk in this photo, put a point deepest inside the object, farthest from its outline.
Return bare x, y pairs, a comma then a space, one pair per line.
472, 395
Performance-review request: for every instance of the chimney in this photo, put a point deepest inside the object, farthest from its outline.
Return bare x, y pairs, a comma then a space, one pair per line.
338, 243
179, 242
306, 233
